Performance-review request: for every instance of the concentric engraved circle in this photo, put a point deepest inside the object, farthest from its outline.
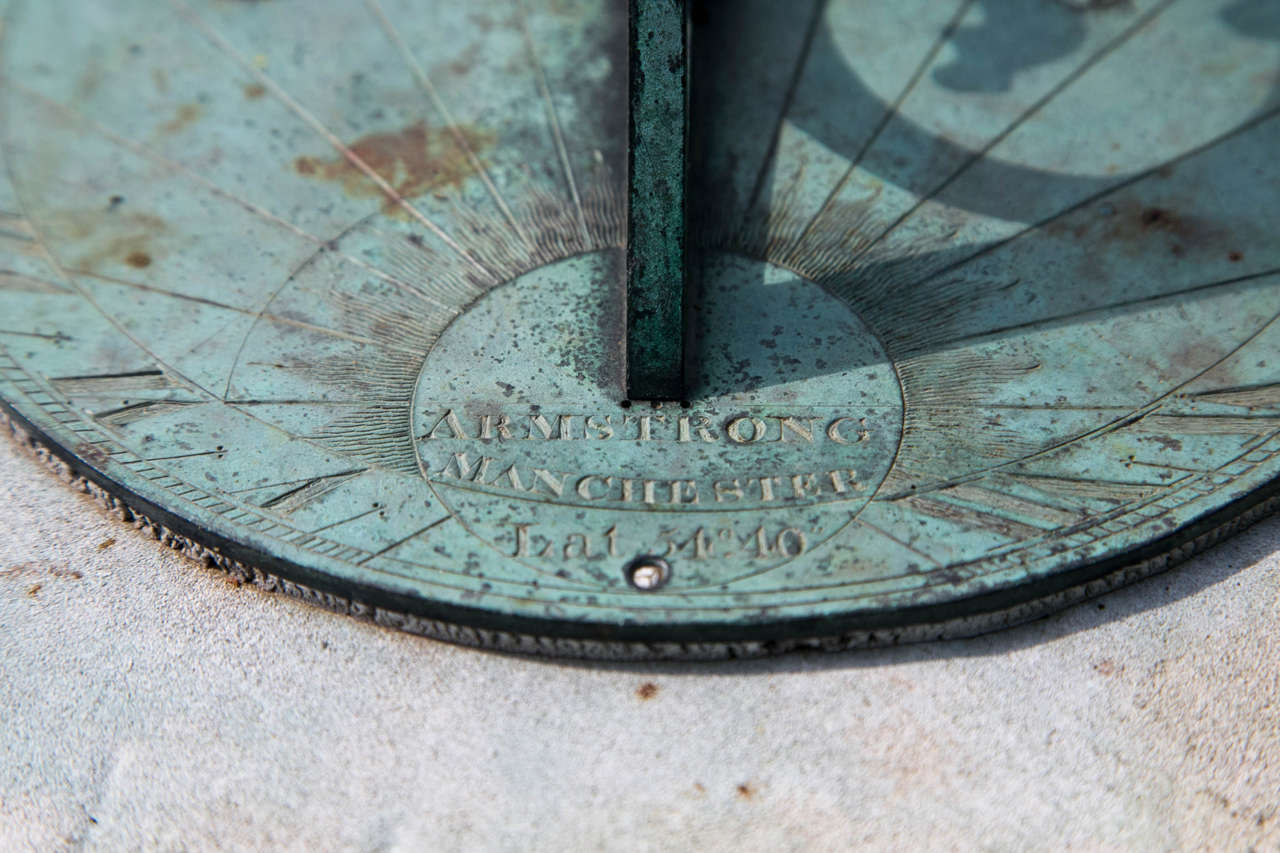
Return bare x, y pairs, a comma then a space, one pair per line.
794, 418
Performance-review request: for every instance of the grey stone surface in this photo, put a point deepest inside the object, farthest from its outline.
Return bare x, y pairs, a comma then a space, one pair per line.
148, 703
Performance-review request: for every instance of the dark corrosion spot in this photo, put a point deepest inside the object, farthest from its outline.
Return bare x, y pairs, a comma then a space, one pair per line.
253, 91
1154, 216
746, 791
138, 260
1235, 257
91, 453
105, 544
647, 690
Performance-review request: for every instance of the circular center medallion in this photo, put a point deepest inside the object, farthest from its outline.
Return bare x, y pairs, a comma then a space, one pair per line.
791, 426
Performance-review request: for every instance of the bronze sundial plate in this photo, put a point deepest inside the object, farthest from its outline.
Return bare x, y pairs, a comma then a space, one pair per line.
983, 310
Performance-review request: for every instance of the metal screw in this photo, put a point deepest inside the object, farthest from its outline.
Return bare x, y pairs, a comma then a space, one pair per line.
647, 573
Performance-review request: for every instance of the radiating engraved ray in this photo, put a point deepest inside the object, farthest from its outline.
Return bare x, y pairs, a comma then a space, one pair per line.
862, 522
1062, 85
170, 369
183, 456
150, 153
1253, 396
889, 113
333, 524
1209, 424
1049, 407
274, 318
329, 136
819, 7
1111, 426
1165, 466
554, 120
1251, 124
15, 227
1111, 491
1007, 527
1011, 505
125, 415
424, 82
312, 402
400, 542
1116, 307
10, 280
306, 491
113, 383
300, 481
84, 294
374, 433
56, 336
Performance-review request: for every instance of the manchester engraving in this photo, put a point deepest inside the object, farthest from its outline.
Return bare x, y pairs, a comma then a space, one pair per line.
488, 472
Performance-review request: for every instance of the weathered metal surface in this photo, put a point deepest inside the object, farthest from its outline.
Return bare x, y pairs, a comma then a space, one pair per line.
657, 161
986, 310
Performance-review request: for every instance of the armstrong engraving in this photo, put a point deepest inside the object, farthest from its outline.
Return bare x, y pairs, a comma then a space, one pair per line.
537, 425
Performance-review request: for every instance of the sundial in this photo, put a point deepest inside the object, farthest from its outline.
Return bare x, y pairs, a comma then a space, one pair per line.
652, 329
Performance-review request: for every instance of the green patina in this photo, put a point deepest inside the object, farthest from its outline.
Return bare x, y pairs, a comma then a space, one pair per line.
657, 212
984, 316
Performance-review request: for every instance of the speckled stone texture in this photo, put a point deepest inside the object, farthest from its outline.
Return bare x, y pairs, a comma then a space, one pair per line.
149, 703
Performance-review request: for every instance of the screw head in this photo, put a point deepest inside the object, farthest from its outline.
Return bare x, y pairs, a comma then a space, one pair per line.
647, 573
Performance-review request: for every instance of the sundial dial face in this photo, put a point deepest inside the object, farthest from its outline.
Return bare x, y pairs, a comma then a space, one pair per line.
982, 305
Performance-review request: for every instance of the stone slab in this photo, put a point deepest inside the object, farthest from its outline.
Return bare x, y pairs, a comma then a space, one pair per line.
148, 703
